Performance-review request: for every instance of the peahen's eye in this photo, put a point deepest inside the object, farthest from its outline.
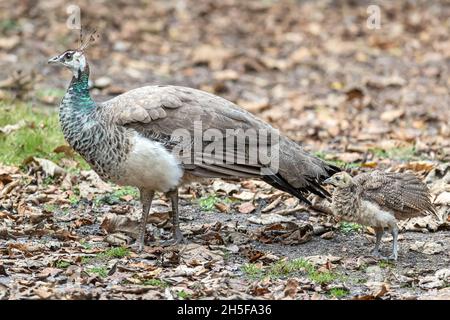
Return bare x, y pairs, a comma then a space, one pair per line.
69, 55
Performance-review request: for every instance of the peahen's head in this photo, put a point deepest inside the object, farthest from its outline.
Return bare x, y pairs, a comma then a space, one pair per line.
340, 180
75, 59
72, 59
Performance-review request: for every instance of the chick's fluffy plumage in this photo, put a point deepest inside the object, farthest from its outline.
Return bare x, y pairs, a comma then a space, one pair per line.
378, 199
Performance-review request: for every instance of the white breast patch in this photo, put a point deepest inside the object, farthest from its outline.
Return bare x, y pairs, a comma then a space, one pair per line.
373, 215
150, 165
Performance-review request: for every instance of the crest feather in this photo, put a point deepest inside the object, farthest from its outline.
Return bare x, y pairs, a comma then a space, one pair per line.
86, 42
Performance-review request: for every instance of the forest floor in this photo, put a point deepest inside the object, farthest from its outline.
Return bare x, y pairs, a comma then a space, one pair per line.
360, 98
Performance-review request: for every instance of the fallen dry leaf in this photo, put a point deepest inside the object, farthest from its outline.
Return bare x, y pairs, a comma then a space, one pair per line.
392, 115
428, 247
270, 218
246, 207
228, 188
289, 233
12, 127
50, 168
113, 223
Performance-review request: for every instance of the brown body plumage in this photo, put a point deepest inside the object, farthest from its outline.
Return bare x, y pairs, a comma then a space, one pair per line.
378, 199
157, 137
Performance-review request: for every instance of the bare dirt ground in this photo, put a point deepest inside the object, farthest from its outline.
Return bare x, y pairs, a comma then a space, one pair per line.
361, 98
55, 247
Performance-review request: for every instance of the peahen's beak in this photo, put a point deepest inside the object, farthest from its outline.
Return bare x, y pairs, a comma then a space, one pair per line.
53, 60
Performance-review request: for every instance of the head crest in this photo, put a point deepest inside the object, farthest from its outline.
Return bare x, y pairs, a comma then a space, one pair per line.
84, 43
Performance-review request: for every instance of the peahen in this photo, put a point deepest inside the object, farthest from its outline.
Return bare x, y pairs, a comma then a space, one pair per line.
134, 139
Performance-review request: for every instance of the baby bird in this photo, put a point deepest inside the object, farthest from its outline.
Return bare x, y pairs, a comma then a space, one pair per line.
378, 199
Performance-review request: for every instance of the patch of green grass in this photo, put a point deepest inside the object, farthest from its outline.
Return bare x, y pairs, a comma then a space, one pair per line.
253, 271
74, 199
86, 259
208, 203
361, 280
183, 295
101, 271
324, 277
117, 252
363, 267
320, 154
339, 163
226, 255
86, 245
50, 92
61, 264
8, 25
285, 268
50, 207
345, 165
349, 227
156, 283
338, 292
403, 153
75, 170
380, 153
127, 191
47, 181
384, 264
38, 138
113, 253
115, 197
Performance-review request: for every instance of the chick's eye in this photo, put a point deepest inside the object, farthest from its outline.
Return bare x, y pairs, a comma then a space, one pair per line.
338, 178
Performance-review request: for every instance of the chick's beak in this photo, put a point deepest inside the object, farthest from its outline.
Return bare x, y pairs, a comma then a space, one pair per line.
328, 181
53, 60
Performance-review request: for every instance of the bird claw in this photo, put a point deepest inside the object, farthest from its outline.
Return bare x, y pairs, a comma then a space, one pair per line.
172, 242
376, 254
176, 239
392, 257
137, 247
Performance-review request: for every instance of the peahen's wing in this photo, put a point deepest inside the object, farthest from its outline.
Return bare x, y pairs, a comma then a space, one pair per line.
402, 193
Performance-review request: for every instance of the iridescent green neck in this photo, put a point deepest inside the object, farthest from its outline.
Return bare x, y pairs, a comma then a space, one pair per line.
77, 97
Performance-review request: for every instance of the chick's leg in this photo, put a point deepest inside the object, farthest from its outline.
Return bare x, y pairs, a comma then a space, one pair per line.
379, 234
394, 254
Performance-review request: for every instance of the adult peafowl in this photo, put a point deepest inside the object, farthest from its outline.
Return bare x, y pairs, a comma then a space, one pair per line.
158, 137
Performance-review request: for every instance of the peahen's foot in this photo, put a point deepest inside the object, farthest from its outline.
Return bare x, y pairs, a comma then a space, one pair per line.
177, 238
376, 253
138, 246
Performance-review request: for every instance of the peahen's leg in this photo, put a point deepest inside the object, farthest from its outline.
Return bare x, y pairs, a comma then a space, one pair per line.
146, 200
177, 235
379, 234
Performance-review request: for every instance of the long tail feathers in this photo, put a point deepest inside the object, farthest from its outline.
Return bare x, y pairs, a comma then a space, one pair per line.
313, 185
280, 183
